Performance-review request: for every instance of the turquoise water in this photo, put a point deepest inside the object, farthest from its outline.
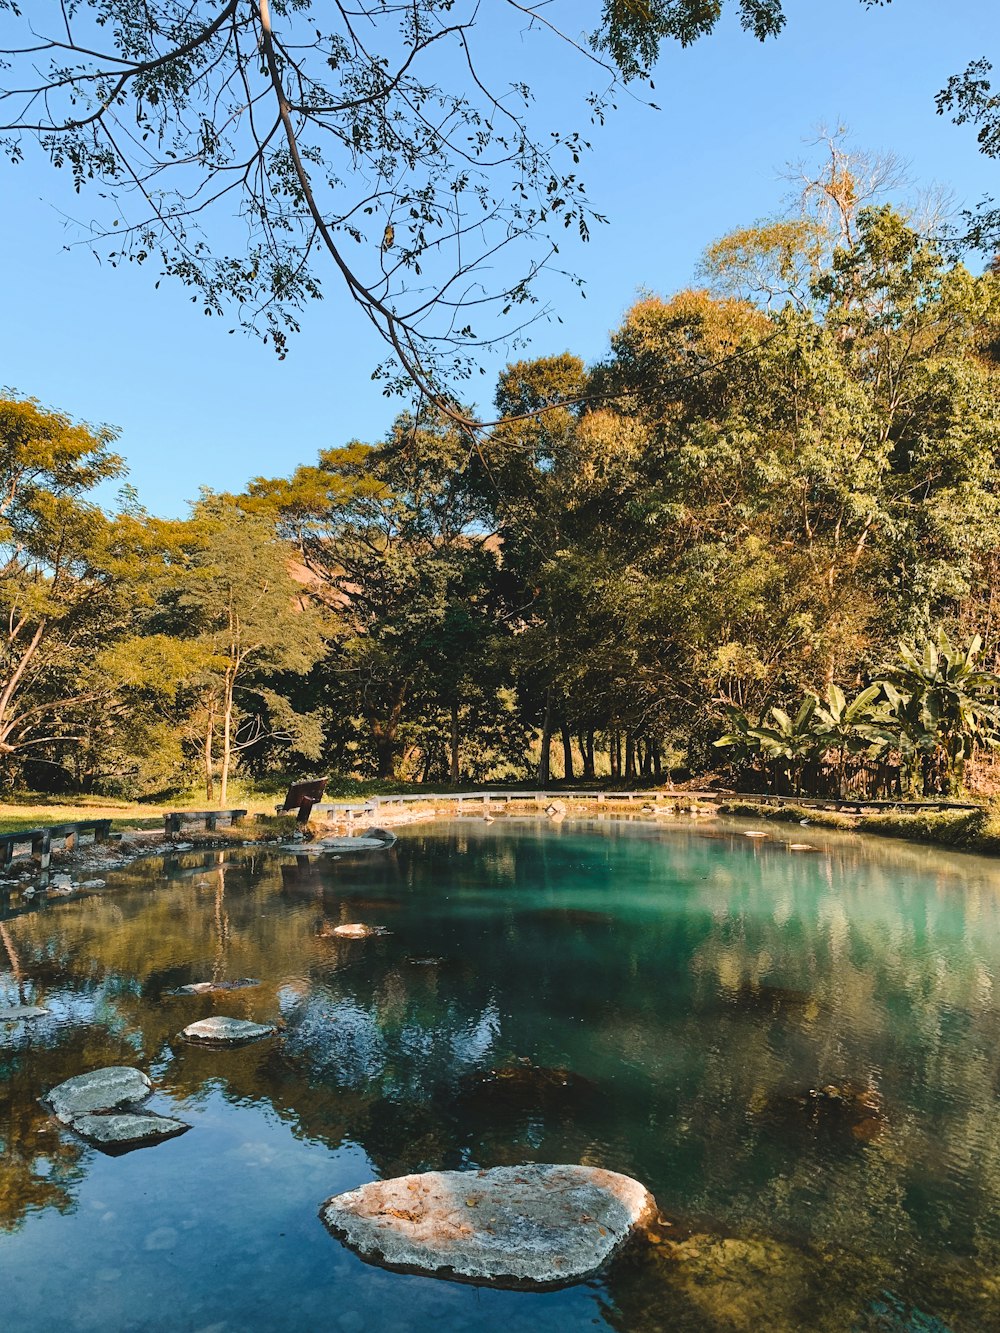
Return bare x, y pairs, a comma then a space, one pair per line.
796, 1052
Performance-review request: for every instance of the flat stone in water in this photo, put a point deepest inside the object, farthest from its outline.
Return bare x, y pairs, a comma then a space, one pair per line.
358, 844
528, 1226
12, 1012
221, 1031
116, 1088
121, 1132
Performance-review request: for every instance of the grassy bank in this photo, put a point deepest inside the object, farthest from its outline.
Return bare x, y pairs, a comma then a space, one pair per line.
968, 830
788, 814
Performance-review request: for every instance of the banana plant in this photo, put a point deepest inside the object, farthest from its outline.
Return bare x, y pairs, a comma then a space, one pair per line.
849, 726
941, 702
781, 739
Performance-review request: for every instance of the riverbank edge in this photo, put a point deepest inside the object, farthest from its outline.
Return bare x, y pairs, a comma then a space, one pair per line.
976, 831
961, 830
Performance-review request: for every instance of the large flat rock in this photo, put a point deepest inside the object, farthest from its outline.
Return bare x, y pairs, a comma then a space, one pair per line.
116, 1088
118, 1133
220, 1031
513, 1226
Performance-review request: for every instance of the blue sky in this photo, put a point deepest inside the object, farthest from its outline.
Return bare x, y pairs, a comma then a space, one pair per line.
199, 407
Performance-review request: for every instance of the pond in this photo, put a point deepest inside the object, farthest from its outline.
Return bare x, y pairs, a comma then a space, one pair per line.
796, 1052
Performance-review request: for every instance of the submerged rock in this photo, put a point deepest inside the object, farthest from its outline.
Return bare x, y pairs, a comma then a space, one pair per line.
850, 1106
122, 1131
208, 987
221, 1031
116, 1088
836, 1109
11, 1013
526, 1086
761, 998
572, 916
518, 1226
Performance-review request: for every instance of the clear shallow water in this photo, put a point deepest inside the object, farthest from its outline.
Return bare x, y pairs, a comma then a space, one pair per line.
665, 1002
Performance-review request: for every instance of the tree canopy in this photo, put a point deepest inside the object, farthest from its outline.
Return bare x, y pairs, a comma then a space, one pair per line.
726, 527
252, 149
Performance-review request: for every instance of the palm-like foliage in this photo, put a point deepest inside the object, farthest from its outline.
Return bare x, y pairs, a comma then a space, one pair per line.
848, 726
780, 740
930, 707
941, 702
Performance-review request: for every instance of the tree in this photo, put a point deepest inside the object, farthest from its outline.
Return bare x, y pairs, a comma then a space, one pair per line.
970, 99
247, 619
391, 539
368, 134
62, 562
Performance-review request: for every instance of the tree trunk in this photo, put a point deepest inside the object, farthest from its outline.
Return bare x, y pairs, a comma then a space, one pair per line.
385, 734
386, 750
227, 741
209, 759
544, 753
615, 754
227, 757
646, 767
454, 770
567, 744
657, 762
629, 757
587, 750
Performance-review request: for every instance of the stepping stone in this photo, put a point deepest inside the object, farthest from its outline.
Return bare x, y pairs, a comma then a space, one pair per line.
801, 847
118, 1133
13, 1012
383, 835
514, 1226
355, 930
116, 1088
219, 1031
358, 844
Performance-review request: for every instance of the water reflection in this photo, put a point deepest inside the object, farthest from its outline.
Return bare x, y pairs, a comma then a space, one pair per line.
797, 1054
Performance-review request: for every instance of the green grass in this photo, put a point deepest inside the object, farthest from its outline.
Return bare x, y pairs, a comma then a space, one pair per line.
967, 830
788, 814
970, 830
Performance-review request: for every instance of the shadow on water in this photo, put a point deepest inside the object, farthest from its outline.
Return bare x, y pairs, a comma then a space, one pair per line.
797, 1055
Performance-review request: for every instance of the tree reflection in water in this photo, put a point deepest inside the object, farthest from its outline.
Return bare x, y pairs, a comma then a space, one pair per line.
797, 1055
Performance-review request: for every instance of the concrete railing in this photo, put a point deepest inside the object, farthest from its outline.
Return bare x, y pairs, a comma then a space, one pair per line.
41, 839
